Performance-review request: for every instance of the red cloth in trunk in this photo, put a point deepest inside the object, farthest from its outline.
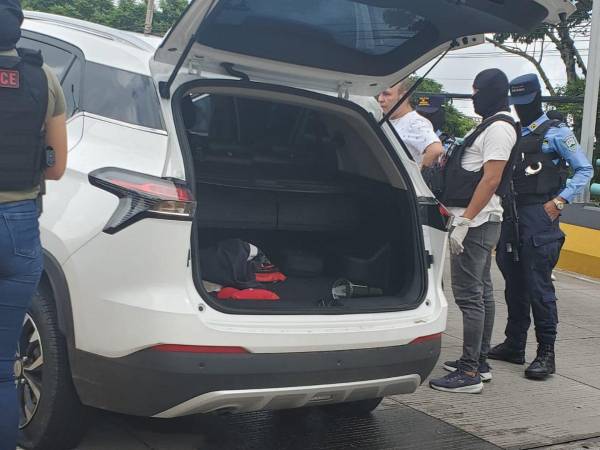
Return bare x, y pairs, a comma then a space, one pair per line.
230, 293
273, 277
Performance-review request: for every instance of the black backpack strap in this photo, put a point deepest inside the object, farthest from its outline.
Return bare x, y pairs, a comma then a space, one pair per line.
544, 127
32, 57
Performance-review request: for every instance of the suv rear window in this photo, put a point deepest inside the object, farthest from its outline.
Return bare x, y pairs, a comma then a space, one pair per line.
366, 37
259, 135
120, 95
349, 28
255, 124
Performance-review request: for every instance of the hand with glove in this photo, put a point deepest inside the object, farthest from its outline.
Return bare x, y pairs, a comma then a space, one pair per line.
458, 234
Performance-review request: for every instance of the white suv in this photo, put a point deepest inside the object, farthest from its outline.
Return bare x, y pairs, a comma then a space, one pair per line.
238, 127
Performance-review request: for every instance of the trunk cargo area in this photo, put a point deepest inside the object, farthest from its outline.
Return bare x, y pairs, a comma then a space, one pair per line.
302, 184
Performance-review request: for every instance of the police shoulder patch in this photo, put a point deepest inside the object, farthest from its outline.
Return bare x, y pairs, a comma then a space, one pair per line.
571, 142
9, 79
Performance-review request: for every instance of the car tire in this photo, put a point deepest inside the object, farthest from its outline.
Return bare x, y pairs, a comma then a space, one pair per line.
57, 420
356, 408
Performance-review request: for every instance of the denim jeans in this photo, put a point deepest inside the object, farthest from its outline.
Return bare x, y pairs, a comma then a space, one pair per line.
20, 271
474, 293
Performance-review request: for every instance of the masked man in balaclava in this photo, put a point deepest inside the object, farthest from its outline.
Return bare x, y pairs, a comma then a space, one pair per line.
546, 150
474, 174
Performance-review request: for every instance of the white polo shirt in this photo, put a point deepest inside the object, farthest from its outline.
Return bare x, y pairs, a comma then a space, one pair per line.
494, 144
416, 132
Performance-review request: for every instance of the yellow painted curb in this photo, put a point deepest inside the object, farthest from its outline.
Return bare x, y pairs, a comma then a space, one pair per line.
581, 252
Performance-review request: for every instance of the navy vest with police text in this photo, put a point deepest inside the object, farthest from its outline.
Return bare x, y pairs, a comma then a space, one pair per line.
23, 106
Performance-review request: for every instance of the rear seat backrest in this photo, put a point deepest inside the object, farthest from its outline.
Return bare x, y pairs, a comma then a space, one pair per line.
248, 209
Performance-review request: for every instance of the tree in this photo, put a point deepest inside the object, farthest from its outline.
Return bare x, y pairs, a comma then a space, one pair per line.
563, 35
98, 11
129, 15
457, 124
168, 13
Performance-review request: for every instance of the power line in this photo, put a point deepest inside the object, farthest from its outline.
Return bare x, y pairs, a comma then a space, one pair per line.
562, 99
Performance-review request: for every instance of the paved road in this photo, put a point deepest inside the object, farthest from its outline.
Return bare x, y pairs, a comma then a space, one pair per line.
511, 413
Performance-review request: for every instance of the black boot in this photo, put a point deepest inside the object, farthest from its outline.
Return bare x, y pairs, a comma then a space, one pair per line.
543, 365
504, 352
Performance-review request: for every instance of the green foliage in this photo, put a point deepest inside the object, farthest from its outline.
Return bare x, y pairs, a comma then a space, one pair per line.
574, 22
129, 15
98, 11
168, 13
457, 124
574, 113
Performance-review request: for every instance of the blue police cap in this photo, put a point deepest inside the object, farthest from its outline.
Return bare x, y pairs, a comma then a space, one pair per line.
523, 89
429, 103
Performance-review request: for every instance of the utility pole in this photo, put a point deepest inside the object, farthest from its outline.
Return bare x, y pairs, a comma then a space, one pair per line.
590, 104
149, 17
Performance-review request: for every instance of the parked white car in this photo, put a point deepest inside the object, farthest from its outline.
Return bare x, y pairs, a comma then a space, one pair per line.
238, 126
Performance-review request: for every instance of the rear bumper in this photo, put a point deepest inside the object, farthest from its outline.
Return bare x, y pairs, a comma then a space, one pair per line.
293, 397
152, 383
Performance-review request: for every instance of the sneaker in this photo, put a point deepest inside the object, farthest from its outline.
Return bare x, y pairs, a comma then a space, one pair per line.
458, 381
485, 370
503, 352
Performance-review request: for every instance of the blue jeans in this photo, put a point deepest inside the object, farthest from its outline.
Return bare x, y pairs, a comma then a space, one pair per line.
20, 271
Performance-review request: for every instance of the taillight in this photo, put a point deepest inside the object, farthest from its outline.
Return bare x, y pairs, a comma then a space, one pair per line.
434, 214
175, 348
444, 212
142, 196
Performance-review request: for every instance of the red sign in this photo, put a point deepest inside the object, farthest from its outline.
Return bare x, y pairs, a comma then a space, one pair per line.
9, 79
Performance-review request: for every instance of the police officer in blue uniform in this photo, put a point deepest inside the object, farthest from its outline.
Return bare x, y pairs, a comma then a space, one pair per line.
432, 108
531, 239
32, 119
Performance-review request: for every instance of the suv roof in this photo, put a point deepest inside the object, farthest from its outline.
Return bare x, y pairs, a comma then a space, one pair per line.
100, 44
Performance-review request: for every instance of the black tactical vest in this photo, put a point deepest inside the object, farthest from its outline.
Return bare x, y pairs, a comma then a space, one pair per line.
23, 106
459, 184
538, 185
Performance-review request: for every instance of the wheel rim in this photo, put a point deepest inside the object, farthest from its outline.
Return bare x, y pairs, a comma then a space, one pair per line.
29, 367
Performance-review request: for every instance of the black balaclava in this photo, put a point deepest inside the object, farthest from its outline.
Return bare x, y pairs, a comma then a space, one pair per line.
530, 112
11, 18
492, 96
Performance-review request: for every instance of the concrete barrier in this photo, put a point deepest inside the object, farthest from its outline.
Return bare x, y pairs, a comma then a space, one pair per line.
581, 252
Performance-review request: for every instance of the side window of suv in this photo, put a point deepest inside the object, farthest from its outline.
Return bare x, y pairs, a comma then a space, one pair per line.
121, 95
58, 59
65, 63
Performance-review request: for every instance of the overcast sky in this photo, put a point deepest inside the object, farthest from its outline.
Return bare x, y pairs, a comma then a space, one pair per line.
457, 71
